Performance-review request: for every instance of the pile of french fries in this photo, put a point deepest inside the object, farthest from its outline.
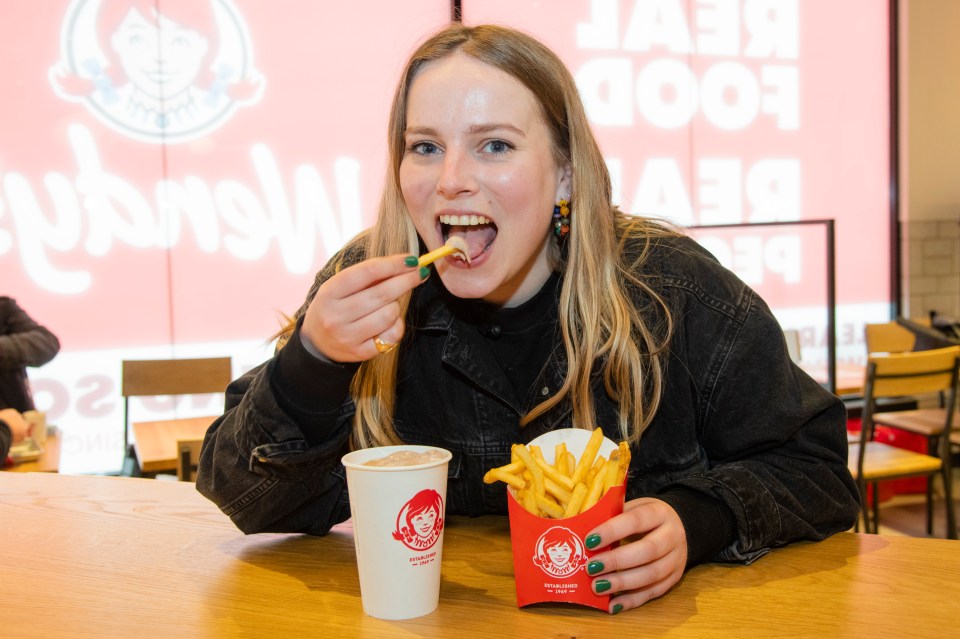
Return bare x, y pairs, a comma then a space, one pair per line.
567, 487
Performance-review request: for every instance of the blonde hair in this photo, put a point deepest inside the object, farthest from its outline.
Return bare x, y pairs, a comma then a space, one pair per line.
599, 318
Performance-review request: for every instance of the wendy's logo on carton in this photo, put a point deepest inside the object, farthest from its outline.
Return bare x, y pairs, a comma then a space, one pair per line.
559, 552
420, 521
156, 72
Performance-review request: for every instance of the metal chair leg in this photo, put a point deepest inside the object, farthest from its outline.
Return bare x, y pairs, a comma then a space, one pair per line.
131, 465
862, 515
932, 451
948, 500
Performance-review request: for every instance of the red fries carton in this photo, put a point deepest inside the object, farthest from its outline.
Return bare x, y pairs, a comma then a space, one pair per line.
549, 555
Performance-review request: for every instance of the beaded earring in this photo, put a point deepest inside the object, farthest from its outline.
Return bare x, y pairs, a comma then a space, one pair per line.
561, 219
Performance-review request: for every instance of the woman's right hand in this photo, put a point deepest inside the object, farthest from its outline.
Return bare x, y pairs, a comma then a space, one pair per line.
359, 304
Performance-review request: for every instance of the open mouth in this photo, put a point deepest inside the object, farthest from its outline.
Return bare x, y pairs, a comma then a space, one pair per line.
476, 230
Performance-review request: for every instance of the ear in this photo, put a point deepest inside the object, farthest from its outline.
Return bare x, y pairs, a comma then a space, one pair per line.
564, 183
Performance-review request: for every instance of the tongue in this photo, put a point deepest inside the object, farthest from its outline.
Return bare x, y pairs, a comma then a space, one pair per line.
478, 237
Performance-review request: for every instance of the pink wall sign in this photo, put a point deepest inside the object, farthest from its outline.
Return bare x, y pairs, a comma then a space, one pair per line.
173, 172
740, 111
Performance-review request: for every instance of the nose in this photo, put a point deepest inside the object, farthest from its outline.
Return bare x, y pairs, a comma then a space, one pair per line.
456, 176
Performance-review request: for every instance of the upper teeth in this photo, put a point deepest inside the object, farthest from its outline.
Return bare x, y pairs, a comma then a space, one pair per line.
463, 220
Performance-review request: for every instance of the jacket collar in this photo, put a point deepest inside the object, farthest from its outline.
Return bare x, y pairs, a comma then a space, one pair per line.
433, 308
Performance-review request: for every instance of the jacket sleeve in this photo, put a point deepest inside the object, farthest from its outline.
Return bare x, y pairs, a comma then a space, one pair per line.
271, 462
6, 440
774, 438
23, 342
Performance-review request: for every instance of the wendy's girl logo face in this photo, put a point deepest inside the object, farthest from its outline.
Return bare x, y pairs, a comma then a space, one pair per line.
157, 72
559, 552
420, 521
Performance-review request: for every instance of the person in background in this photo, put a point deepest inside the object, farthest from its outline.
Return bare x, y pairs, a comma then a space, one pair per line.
23, 342
13, 429
568, 313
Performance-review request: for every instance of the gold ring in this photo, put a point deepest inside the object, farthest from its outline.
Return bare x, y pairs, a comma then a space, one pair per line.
382, 346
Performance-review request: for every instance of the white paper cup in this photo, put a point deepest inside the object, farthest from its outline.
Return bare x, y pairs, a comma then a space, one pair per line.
398, 519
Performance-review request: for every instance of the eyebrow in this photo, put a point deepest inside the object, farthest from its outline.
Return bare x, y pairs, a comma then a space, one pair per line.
473, 130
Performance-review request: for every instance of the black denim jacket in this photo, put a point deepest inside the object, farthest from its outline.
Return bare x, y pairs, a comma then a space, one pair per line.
738, 422
23, 342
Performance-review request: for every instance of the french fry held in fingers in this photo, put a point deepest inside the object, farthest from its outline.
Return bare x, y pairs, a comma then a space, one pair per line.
454, 245
566, 487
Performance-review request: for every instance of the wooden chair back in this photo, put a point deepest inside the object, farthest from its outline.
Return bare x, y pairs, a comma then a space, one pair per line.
188, 457
912, 373
175, 376
888, 337
197, 376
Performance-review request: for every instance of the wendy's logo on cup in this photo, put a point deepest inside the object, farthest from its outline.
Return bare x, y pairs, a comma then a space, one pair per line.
162, 72
420, 521
559, 552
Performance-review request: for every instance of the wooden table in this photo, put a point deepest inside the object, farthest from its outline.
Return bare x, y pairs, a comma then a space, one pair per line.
48, 462
155, 443
849, 379
86, 556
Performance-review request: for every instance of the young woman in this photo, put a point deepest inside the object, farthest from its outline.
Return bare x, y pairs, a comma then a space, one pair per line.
580, 318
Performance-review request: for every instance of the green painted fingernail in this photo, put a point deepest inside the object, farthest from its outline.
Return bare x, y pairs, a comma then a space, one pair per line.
602, 585
592, 541
411, 260
617, 608
594, 567
424, 272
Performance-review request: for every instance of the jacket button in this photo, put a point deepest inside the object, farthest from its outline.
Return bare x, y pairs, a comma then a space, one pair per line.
494, 331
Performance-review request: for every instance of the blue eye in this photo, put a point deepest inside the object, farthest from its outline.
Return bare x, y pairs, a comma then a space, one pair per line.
498, 147
424, 148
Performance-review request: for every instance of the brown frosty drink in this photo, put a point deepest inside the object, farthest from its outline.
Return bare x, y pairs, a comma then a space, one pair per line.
408, 458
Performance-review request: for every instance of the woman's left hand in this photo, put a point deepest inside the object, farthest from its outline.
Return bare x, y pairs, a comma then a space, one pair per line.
649, 562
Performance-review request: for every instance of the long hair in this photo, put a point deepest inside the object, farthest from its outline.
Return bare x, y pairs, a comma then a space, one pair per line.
603, 330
